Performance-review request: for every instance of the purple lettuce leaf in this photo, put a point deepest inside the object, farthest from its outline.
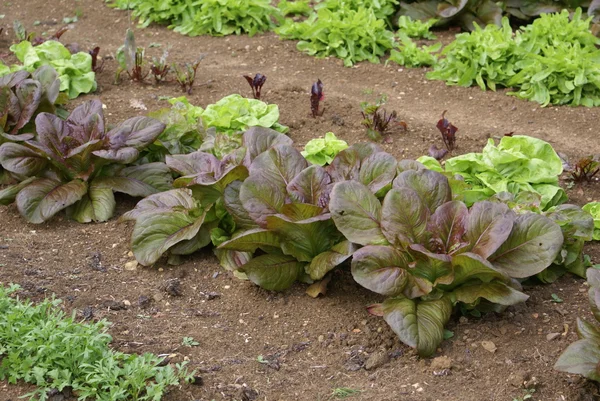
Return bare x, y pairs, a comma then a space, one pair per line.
357, 213
43, 198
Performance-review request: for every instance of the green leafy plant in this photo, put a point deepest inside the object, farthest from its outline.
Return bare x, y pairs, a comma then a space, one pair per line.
74, 71
186, 75
352, 35
517, 164
298, 7
407, 53
558, 61
593, 208
216, 129
189, 342
416, 28
485, 56
211, 17
76, 165
235, 113
382, 9
74, 355
551, 61
583, 356
427, 252
322, 151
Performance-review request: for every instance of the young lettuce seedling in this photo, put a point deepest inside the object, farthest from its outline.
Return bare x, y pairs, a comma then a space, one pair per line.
131, 59
97, 68
187, 74
377, 120
448, 132
160, 68
316, 97
256, 83
22, 34
585, 169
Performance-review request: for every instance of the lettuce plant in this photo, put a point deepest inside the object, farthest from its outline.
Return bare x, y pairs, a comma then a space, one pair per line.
76, 165
352, 35
427, 252
322, 151
382, 9
23, 96
416, 28
217, 129
408, 54
212, 17
284, 206
583, 356
485, 57
517, 164
576, 225
298, 7
74, 70
192, 216
593, 208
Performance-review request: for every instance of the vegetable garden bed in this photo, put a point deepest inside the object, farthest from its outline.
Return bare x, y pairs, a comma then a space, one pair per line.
254, 344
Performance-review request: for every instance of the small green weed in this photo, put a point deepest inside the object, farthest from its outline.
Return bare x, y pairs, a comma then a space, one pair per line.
344, 392
190, 342
42, 346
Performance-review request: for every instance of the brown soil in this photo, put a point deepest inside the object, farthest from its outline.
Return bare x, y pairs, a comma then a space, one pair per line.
312, 346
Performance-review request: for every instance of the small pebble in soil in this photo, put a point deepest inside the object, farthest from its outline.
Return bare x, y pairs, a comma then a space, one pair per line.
172, 287
143, 301
113, 305
377, 359
212, 295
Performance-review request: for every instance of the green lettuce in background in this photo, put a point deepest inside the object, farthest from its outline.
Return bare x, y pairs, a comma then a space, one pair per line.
216, 129
517, 164
74, 70
593, 208
235, 113
322, 151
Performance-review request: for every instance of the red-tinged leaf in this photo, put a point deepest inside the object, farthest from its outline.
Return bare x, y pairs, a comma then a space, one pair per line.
448, 132
42, 199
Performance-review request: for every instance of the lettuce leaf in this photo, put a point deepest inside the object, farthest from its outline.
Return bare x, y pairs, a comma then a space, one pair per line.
322, 151
74, 71
593, 208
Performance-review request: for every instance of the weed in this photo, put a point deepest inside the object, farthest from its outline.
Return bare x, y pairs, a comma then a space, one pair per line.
344, 392
186, 75
189, 342
74, 355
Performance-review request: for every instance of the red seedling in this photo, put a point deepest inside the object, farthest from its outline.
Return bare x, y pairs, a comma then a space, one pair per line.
448, 132
316, 97
256, 83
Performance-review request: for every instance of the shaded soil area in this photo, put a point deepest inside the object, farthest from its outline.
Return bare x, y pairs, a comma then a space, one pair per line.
307, 347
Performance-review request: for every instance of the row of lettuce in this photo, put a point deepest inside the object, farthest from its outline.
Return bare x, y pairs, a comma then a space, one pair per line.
554, 60
425, 236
